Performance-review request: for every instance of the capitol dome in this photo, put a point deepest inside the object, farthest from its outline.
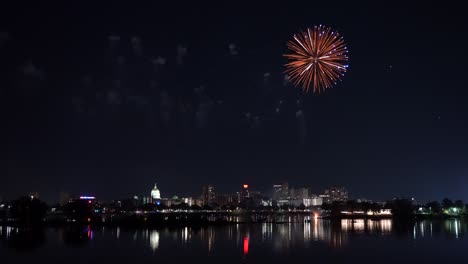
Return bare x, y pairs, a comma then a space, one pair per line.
155, 194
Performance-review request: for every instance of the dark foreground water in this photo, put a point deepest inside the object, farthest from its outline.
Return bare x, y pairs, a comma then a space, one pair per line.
320, 241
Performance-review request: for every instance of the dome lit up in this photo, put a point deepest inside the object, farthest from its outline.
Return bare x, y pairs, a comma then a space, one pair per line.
155, 194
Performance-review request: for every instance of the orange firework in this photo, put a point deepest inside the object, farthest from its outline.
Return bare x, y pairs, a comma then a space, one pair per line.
318, 59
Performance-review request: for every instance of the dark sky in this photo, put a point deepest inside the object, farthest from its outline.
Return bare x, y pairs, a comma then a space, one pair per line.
106, 99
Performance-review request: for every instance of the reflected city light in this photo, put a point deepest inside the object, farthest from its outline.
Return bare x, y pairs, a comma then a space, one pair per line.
267, 231
382, 226
307, 233
186, 234
281, 237
154, 240
386, 225
421, 227
452, 227
246, 245
210, 239
8, 230
315, 234
356, 225
89, 232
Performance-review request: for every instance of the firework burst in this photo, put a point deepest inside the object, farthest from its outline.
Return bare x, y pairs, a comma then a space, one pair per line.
317, 60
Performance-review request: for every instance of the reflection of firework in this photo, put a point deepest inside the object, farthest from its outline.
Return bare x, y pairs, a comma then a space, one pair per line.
318, 58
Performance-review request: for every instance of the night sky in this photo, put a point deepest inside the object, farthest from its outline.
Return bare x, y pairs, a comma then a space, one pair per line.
107, 99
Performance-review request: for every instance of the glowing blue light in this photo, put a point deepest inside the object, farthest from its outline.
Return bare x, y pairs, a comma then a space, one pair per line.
87, 197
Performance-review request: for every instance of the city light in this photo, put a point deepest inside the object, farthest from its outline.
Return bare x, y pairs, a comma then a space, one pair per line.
246, 186
87, 197
246, 245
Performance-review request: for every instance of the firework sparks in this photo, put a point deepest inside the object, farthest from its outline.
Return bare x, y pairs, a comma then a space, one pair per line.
318, 59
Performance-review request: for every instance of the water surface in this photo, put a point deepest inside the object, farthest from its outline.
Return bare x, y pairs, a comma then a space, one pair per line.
320, 241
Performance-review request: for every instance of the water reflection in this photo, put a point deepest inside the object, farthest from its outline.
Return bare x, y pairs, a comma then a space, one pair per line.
22, 238
451, 228
154, 239
77, 236
383, 226
284, 236
246, 245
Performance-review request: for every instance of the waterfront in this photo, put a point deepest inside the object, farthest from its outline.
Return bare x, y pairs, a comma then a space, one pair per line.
320, 240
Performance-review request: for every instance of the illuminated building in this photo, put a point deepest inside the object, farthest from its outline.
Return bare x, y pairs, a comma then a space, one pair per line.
208, 194
146, 199
188, 201
174, 201
335, 194
155, 193
313, 201
280, 192
381, 212
192, 201
197, 202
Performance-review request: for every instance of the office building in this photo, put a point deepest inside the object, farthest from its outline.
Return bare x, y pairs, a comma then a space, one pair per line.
335, 194
299, 193
280, 192
208, 194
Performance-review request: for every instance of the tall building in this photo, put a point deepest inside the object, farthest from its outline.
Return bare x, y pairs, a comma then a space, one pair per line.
244, 194
335, 194
155, 193
222, 199
208, 194
280, 191
299, 193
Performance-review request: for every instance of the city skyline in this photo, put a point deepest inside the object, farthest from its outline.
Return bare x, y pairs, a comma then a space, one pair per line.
209, 194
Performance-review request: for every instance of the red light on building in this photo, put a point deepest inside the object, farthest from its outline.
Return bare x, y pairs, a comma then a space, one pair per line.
246, 245
246, 186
